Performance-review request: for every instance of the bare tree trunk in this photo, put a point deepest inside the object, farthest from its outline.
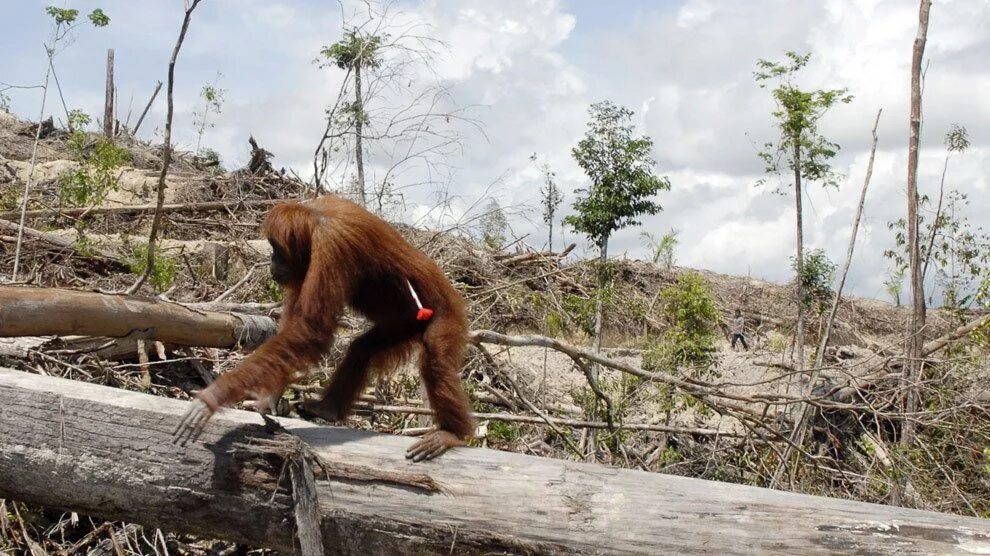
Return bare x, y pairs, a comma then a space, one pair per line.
358, 132
166, 152
936, 220
34, 160
597, 342
151, 101
801, 426
108, 99
602, 282
849, 255
799, 332
915, 338
550, 236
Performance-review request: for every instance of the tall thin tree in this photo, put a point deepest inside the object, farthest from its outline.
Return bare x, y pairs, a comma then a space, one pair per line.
801, 149
166, 150
915, 339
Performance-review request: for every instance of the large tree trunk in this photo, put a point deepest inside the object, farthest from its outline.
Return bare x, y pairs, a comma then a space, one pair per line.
107, 453
55, 312
358, 134
915, 339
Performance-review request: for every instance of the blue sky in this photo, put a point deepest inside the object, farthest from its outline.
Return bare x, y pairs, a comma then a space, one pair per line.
530, 68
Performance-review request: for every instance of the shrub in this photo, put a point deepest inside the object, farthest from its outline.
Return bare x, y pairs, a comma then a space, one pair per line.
164, 273
818, 273
97, 172
689, 311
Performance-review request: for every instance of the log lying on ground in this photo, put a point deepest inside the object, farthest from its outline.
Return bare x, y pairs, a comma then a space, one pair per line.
63, 243
106, 452
207, 206
57, 312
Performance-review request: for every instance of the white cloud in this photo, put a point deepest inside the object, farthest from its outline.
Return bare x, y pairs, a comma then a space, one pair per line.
532, 67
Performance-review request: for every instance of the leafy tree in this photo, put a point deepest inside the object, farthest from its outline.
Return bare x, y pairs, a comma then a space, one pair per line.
895, 284
550, 198
946, 238
213, 97
800, 148
493, 225
65, 22
354, 53
957, 249
392, 114
620, 167
99, 163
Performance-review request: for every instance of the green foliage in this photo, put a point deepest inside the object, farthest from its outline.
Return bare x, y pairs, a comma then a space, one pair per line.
273, 290
355, 50
86, 246
956, 249
663, 250
97, 172
894, 284
62, 15
501, 432
797, 115
777, 342
4, 102
688, 309
9, 199
550, 198
67, 16
211, 158
98, 18
213, 98
494, 225
78, 119
956, 139
162, 276
555, 324
669, 456
818, 272
620, 167
582, 311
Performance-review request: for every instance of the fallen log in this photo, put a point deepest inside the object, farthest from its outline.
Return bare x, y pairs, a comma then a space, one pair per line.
58, 312
64, 243
960, 332
106, 452
208, 206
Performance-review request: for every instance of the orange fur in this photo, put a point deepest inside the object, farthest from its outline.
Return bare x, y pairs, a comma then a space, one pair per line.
342, 255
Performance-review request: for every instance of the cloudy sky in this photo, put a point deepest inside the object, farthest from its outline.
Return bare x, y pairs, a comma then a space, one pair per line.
528, 69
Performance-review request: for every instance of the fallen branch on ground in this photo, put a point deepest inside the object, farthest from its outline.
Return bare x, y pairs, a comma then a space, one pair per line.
63, 243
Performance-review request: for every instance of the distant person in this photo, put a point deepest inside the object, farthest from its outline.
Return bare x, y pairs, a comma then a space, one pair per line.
737, 329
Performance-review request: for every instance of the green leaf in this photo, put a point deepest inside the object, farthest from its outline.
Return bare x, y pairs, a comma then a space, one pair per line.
98, 18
